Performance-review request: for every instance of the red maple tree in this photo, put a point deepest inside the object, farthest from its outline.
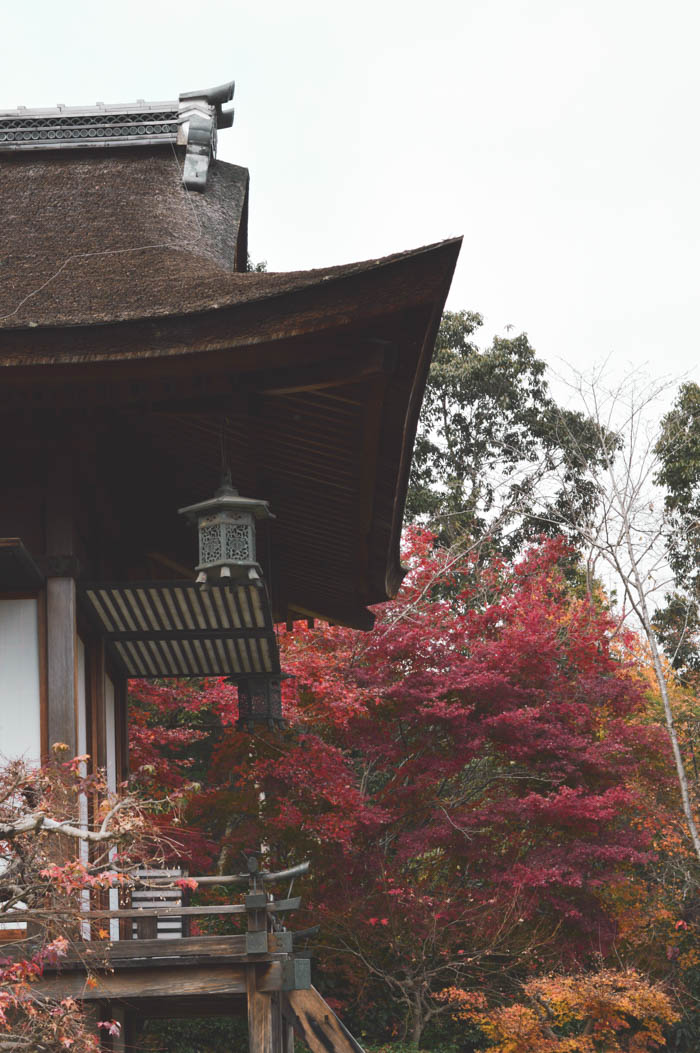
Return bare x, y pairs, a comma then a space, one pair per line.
467, 779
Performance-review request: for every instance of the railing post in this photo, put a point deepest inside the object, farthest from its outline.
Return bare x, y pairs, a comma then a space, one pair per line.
147, 928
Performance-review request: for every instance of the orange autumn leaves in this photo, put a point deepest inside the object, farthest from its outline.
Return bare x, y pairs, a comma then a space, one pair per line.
610, 1011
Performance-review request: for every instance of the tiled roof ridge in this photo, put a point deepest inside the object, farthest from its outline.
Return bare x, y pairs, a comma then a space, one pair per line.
191, 121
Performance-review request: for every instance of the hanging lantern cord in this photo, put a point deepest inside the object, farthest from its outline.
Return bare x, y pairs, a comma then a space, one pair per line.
225, 468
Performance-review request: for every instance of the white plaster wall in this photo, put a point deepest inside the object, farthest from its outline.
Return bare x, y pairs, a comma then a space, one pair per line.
20, 727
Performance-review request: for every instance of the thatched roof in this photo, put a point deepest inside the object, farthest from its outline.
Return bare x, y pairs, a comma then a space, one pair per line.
96, 236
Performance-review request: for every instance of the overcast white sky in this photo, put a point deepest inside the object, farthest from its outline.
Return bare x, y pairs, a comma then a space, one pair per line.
560, 139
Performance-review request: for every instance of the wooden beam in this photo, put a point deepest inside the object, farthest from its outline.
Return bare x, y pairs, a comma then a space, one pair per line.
140, 912
316, 1024
365, 361
166, 982
100, 951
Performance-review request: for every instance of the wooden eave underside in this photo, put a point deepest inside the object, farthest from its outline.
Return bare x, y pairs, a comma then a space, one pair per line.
18, 571
317, 393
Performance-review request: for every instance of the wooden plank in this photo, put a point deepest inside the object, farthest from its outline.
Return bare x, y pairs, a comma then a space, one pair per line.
144, 983
316, 1024
181, 948
259, 1013
240, 879
279, 905
132, 912
132, 984
155, 912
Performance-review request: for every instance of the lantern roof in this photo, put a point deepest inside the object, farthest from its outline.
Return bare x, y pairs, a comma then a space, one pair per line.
227, 498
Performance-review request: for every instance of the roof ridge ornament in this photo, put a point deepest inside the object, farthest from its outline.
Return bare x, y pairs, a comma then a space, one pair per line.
192, 121
201, 114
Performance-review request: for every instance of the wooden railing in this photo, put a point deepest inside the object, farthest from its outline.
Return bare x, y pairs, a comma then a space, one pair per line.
261, 967
151, 920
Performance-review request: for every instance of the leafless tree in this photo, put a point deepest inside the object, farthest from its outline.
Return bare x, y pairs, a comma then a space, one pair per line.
625, 540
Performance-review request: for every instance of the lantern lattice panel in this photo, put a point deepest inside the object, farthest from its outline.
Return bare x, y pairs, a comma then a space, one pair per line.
211, 549
226, 538
238, 541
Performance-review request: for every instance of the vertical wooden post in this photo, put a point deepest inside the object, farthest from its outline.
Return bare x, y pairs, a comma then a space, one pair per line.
92, 1013
259, 1015
61, 652
61, 631
282, 1032
119, 1042
98, 737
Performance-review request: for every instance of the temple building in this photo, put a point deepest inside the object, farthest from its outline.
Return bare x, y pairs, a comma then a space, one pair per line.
145, 372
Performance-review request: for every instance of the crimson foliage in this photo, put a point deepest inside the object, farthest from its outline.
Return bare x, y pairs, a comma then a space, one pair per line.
466, 779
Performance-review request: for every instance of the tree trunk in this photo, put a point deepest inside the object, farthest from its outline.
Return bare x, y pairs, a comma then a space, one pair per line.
417, 1023
663, 688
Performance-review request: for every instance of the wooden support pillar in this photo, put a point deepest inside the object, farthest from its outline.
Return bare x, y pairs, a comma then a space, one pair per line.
93, 1013
61, 644
260, 1026
282, 1031
61, 631
119, 1042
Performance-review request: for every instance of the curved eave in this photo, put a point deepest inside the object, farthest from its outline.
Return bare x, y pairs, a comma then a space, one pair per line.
247, 309
360, 338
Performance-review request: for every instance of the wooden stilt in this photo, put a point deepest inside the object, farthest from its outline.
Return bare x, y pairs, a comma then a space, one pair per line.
282, 1030
276, 1022
119, 1042
259, 1015
93, 1012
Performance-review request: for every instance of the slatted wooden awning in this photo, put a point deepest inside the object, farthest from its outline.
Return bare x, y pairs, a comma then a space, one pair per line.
174, 628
